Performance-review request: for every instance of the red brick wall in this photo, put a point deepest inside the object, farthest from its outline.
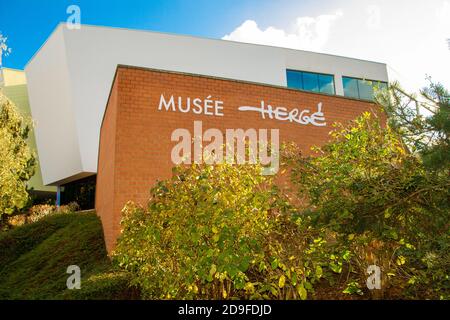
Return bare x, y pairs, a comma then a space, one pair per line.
135, 139
104, 197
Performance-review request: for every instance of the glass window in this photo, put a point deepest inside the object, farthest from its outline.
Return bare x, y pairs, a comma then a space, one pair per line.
326, 83
360, 88
350, 87
310, 81
294, 79
365, 89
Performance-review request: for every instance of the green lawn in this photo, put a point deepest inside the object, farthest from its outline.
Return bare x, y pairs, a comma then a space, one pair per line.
34, 259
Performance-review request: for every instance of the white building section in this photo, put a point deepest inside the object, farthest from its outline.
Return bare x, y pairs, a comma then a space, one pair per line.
70, 77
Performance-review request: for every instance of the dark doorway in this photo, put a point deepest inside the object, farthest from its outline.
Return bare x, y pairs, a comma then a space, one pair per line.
81, 191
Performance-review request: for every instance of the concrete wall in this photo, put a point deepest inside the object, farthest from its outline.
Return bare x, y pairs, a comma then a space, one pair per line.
76, 67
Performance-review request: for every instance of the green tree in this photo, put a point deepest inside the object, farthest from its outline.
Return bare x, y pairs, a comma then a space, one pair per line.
422, 121
17, 161
380, 202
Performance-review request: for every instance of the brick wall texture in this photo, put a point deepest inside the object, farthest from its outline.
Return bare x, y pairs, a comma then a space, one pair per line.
135, 138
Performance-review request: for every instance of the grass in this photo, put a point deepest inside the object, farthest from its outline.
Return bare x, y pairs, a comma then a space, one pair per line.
34, 259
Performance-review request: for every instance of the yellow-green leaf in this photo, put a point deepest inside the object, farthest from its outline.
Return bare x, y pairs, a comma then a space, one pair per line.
249, 287
302, 292
213, 270
319, 272
401, 260
282, 281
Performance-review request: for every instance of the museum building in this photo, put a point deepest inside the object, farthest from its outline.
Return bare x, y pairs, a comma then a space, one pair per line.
107, 101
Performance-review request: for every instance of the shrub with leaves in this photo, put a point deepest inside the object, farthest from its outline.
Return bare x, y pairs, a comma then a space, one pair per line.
17, 161
381, 203
216, 232
36, 213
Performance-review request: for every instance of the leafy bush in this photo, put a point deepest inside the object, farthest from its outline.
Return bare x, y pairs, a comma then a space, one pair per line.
215, 232
382, 205
37, 212
17, 160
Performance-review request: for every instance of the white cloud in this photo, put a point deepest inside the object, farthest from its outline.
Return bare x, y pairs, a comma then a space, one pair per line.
308, 33
374, 17
409, 35
443, 14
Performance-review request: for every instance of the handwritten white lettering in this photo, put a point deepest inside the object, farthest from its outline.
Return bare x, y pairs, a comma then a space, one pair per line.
295, 115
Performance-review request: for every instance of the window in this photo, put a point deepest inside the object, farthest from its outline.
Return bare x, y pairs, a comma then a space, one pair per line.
294, 80
361, 89
326, 83
310, 81
350, 87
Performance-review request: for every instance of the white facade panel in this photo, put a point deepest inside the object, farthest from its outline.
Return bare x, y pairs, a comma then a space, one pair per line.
52, 110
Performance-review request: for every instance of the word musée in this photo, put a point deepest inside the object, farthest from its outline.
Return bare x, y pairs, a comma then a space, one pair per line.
198, 106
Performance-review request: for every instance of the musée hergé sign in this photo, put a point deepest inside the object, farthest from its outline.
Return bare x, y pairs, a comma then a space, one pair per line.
213, 107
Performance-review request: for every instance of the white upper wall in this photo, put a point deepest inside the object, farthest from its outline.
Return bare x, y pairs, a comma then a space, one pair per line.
52, 109
70, 78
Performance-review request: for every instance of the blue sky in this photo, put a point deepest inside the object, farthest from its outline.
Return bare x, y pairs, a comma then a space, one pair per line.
27, 23
410, 36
